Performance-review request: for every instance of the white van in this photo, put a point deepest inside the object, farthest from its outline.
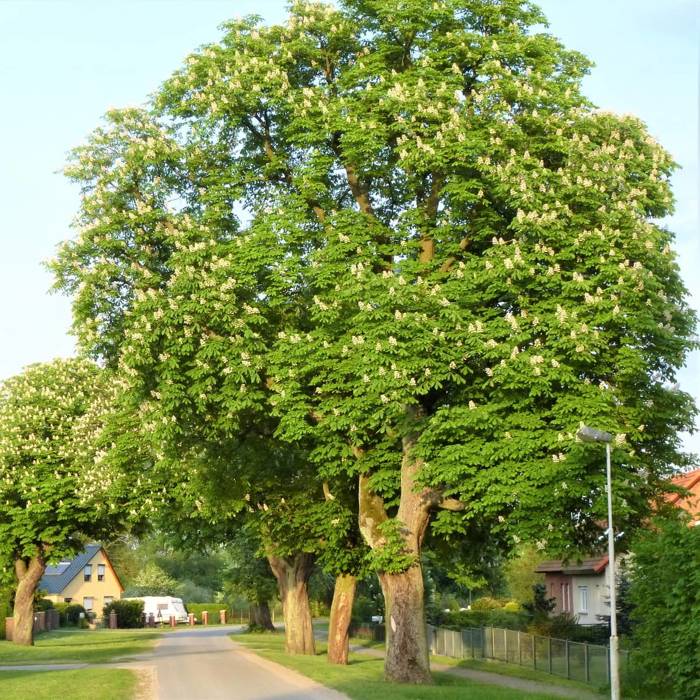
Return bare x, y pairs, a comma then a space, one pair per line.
163, 607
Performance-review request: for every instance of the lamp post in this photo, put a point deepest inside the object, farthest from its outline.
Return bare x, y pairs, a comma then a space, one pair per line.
587, 434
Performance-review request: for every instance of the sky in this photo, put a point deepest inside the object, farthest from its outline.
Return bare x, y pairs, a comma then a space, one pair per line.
64, 63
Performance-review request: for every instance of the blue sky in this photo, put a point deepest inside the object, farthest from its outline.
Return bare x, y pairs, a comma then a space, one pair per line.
63, 63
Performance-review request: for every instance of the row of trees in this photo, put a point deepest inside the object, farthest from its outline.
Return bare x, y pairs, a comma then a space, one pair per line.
358, 278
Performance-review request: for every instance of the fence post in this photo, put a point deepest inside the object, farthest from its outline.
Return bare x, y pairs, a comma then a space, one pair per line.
505, 644
586, 665
493, 642
534, 652
520, 650
549, 653
568, 675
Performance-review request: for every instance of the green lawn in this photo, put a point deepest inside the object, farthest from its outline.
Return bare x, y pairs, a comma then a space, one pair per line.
514, 671
85, 684
88, 646
363, 678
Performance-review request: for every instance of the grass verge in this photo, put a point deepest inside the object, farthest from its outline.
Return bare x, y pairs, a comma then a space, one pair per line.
363, 678
513, 671
86, 646
85, 684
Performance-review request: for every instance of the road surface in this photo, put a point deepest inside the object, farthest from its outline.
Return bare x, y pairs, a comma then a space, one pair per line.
202, 663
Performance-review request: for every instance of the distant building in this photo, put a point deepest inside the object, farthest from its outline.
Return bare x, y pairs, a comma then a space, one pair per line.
88, 580
580, 589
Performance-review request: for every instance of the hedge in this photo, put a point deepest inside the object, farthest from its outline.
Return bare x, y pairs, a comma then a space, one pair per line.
129, 613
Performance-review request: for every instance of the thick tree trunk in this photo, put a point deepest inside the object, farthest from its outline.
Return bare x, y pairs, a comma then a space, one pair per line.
406, 638
292, 574
341, 614
29, 573
406, 635
260, 617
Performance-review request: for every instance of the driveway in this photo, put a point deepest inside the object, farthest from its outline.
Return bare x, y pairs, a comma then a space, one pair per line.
202, 663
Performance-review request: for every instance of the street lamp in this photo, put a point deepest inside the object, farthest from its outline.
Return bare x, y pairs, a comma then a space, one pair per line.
592, 435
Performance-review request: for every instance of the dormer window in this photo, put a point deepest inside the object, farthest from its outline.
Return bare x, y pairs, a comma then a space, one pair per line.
87, 573
100, 572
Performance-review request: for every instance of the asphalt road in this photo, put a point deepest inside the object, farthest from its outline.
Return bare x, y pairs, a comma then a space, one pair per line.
202, 663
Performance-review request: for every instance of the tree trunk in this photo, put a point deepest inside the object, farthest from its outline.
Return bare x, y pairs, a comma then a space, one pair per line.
29, 573
406, 635
260, 617
339, 624
292, 574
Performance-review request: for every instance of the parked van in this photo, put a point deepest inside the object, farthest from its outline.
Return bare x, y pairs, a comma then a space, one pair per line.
163, 607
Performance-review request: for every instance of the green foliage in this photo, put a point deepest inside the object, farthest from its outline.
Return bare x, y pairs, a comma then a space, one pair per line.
69, 614
492, 617
446, 255
152, 580
392, 556
519, 573
213, 609
541, 605
53, 480
665, 595
247, 573
129, 613
5, 607
487, 603
42, 604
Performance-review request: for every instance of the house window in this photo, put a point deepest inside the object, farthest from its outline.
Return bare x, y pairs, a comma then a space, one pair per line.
67, 600
100, 572
87, 573
88, 602
565, 597
583, 599
108, 600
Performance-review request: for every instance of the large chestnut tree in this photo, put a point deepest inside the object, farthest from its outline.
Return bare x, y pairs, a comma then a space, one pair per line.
399, 230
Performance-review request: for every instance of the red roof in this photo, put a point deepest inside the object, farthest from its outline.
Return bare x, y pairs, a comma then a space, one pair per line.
584, 567
691, 482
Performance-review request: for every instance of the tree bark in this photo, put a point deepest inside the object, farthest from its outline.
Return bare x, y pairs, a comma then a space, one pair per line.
406, 635
260, 616
341, 614
292, 574
29, 572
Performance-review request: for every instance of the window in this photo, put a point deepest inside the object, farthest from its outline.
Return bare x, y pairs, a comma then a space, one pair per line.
88, 603
67, 600
108, 600
583, 599
100, 572
87, 573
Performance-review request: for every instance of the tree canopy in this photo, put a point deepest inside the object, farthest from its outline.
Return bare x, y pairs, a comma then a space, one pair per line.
398, 237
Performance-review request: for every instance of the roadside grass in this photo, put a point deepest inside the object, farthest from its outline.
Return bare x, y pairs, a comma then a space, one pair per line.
83, 684
363, 677
81, 646
513, 671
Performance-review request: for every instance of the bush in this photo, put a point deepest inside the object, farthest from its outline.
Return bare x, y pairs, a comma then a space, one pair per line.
129, 613
69, 614
485, 618
512, 606
486, 603
42, 605
665, 598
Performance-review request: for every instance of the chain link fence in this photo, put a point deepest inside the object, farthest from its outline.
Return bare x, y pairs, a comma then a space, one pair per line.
579, 661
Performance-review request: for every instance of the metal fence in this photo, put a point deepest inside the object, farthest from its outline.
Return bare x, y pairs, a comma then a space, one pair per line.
588, 663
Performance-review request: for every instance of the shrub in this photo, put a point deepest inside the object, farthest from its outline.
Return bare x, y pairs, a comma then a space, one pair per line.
487, 603
129, 613
69, 613
512, 606
665, 597
42, 605
485, 618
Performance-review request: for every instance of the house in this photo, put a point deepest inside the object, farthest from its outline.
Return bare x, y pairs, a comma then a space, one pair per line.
691, 502
579, 588
582, 589
88, 580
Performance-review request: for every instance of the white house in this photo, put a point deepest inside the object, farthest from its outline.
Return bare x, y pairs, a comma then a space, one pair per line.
579, 588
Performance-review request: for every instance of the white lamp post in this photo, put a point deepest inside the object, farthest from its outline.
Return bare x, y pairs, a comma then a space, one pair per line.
592, 435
